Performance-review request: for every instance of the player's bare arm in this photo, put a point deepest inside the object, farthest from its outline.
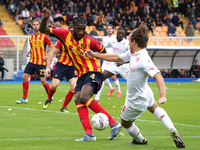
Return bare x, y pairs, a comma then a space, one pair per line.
27, 54
47, 56
161, 86
43, 26
51, 54
107, 57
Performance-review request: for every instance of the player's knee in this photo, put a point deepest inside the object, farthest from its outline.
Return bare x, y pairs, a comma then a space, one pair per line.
77, 100
83, 99
25, 77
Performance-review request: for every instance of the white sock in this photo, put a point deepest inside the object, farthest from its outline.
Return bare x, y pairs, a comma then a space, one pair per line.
117, 85
135, 133
107, 82
97, 97
162, 115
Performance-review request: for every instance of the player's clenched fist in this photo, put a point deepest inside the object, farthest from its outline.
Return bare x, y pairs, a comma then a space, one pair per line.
46, 12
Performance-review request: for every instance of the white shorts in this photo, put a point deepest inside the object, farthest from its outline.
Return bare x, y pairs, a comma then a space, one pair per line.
135, 107
105, 65
122, 70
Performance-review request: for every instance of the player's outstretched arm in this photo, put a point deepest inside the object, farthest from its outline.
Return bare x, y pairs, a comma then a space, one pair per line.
43, 26
107, 57
51, 54
161, 86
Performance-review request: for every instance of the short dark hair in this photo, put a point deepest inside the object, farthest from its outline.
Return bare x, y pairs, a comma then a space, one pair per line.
79, 19
140, 35
36, 20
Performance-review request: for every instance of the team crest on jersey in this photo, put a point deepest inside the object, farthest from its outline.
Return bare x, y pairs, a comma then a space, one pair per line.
82, 45
123, 43
56, 75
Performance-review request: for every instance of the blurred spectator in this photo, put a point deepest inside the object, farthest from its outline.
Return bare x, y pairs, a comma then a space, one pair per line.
142, 3
56, 7
42, 5
48, 5
25, 13
94, 32
132, 25
134, 15
21, 6
11, 8
87, 9
2, 4
32, 14
18, 15
140, 10
69, 8
175, 6
192, 17
38, 14
169, 74
1, 66
69, 18
182, 74
63, 9
113, 13
148, 17
52, 11
148, 24
90, 21
195, 70
92, 4
58, 17
167, 19
118, 20
57, 25
176, 21
28, 6
75, 8
158, 20
147, 8
109, 19
35, 6
121, 12
197, 11
81, 8
28, 29
93, 14
144, 14
171, 30
84, 15
99, 26
189, 31
150, 3
138, 22
153, 14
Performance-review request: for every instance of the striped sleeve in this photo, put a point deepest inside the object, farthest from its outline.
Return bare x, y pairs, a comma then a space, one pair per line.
58, 45
47, 40
60, 33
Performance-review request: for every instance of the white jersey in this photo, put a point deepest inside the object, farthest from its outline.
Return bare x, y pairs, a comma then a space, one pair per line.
107, 40
108, 48
140, 67
119, 47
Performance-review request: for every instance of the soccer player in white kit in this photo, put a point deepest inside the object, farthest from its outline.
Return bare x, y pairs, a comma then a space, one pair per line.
120, 46
139, 96
109, 50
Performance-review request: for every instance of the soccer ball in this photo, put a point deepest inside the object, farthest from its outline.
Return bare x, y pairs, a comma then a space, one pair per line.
100, 121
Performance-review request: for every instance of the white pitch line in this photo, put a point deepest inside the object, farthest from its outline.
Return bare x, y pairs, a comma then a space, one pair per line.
70, 138
51, 111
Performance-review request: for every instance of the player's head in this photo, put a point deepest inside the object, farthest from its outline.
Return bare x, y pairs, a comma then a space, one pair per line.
36, 24
79, 26
110, 29
71, 27
138, 38
196, 62
120, 34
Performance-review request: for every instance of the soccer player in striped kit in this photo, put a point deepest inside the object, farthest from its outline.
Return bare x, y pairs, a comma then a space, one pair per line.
89, 71
37, 61
64, 66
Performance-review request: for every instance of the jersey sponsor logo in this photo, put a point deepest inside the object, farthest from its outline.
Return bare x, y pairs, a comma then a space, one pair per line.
123, 43
82, 45
148, 61
151, 68
137, 59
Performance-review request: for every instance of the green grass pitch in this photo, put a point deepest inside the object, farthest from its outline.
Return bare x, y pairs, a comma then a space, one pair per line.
29, 127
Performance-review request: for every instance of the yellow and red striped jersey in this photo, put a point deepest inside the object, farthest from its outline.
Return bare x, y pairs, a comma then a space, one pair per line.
38, 51
76, 49
64, 58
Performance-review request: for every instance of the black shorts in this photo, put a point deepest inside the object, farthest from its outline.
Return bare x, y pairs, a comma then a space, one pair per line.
31, 68
94, 79
62, 70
